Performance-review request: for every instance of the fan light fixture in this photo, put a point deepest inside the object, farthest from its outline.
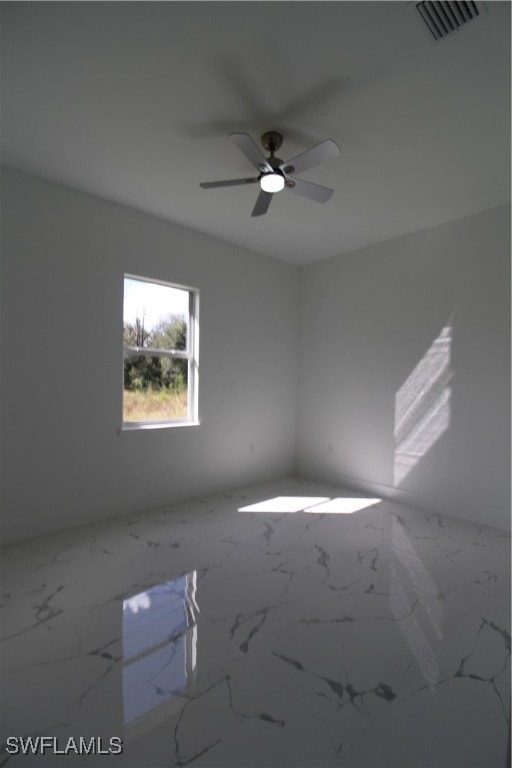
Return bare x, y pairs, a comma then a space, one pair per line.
272, 182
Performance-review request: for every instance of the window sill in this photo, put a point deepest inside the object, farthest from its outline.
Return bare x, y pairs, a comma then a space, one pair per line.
140, 426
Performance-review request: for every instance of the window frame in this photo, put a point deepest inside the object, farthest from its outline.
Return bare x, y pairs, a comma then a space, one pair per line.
191, 354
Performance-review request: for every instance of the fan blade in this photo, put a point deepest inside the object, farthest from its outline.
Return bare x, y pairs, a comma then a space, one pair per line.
228, 183
251, 150
320, 153
313, 191
262, 203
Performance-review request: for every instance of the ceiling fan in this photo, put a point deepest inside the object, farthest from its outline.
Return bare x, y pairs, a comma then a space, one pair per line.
274, 174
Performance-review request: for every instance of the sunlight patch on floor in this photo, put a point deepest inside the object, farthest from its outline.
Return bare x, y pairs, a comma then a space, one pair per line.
284, 504
318, 504
342, 506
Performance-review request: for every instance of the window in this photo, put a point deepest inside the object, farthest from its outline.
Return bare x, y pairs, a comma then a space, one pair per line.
160, 343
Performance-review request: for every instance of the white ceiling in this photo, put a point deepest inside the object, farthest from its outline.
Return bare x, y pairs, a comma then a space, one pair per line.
134, 102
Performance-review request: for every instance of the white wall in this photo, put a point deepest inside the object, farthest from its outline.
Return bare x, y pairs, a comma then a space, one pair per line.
367, 320
64, 255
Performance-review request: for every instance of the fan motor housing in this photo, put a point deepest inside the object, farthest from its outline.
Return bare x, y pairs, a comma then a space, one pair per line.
271, 141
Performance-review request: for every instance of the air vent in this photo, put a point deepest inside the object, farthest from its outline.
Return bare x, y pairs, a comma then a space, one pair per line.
444, 18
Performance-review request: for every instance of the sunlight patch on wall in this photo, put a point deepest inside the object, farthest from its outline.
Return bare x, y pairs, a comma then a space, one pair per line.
422, 406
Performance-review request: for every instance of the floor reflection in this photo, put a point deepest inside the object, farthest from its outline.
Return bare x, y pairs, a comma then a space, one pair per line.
159, 648
415, 603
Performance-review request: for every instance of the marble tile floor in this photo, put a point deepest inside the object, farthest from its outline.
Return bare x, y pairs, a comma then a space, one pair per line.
358, 633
